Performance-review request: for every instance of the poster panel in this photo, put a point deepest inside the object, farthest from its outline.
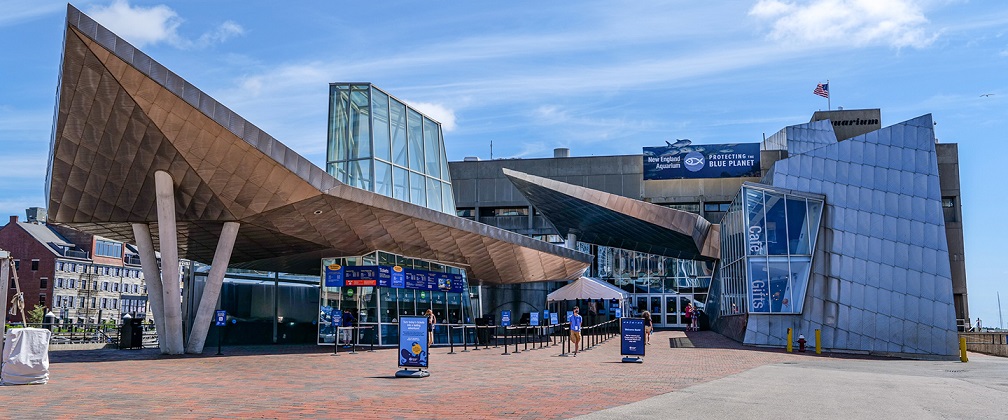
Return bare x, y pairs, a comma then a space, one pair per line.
413, 349
632, 337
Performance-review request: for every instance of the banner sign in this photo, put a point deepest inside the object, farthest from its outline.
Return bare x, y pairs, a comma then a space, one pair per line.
534, 319
632, 340
398, 280
554, 318
546, 317
505, 318
392, 276
337, 319
220, 318
569, 315
702, 161
333, 275
413, 341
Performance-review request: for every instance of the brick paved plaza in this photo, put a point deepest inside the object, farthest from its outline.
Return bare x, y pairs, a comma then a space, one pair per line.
308, 381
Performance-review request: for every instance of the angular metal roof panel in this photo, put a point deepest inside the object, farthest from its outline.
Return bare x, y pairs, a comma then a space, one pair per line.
607, 219
122, 116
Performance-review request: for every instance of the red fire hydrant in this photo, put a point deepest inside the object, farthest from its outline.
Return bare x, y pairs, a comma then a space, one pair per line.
801, 342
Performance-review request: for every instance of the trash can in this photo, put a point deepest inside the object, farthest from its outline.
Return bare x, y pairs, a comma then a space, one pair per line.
482, 333
131, 333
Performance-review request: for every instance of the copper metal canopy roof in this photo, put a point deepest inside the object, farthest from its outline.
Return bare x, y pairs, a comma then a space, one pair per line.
607, 219
123, 116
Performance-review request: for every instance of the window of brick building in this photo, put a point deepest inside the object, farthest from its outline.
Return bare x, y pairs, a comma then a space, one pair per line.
44, 283
35, 265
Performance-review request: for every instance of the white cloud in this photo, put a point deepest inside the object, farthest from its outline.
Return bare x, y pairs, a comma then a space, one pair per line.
152, 25
438, 112
897, 23
223, 32
138, 25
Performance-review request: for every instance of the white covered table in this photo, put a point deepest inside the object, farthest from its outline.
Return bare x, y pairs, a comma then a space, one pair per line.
25, 356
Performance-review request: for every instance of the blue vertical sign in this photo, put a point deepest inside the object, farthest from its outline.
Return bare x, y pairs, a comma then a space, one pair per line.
398, 277
632, 340
505, 318
546, 317
413, 341
534, 319
334, 275
337, 321
220, 318
553, 318
569, 315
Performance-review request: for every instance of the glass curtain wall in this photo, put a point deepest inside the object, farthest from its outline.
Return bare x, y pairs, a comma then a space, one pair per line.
377, 143
379, 307
661, 285
768, 238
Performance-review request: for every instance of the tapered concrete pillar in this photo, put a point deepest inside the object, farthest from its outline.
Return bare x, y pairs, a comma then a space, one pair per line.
208, 302
152, 277
168, 239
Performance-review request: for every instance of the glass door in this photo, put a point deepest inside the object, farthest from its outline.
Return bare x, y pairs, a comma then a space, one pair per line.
656, 311
672, 311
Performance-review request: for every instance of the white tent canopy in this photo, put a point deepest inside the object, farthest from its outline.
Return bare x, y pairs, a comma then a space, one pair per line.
587, 288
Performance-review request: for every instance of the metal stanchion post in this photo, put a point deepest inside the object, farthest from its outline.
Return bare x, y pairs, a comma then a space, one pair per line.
495, 336
465, 342
375, 327
526, 337
476, 343
563, 350
516, 340
486, 343
353, 346
505, 342
335, 342
451, 344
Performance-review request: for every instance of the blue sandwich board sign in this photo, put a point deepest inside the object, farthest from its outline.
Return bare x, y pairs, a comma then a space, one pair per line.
413, 349
632, 340
534, 319
505, 318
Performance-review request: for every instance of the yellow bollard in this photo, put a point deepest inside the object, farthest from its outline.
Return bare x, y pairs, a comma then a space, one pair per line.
789, 337
962, 350
818, 342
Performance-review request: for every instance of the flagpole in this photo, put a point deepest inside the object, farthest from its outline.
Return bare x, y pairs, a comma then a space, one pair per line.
1000, 320
829, 106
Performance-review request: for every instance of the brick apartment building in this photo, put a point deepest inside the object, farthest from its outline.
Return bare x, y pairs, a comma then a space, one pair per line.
82, 278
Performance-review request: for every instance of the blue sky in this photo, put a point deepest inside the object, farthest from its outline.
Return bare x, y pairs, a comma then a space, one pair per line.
531, 76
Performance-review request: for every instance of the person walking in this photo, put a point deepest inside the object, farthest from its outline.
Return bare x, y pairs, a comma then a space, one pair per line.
431, 321
688, 314
575, 330
648, 327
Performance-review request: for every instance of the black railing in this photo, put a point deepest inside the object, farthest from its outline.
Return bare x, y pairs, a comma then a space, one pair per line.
104, 333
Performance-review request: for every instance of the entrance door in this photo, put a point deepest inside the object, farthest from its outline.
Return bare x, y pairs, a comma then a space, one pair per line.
672, 311
655, 307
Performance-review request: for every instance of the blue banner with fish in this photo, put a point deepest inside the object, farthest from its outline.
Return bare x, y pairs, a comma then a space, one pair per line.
413, 349
681, 159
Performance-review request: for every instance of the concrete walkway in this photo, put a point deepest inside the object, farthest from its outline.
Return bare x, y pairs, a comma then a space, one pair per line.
704, 376
839, 388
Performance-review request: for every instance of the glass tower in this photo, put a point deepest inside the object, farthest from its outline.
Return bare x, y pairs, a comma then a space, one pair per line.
378, 143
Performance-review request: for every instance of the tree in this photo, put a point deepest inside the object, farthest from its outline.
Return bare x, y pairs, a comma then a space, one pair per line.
36, 315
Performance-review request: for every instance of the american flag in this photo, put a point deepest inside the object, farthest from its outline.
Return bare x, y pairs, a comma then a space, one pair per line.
822, 90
